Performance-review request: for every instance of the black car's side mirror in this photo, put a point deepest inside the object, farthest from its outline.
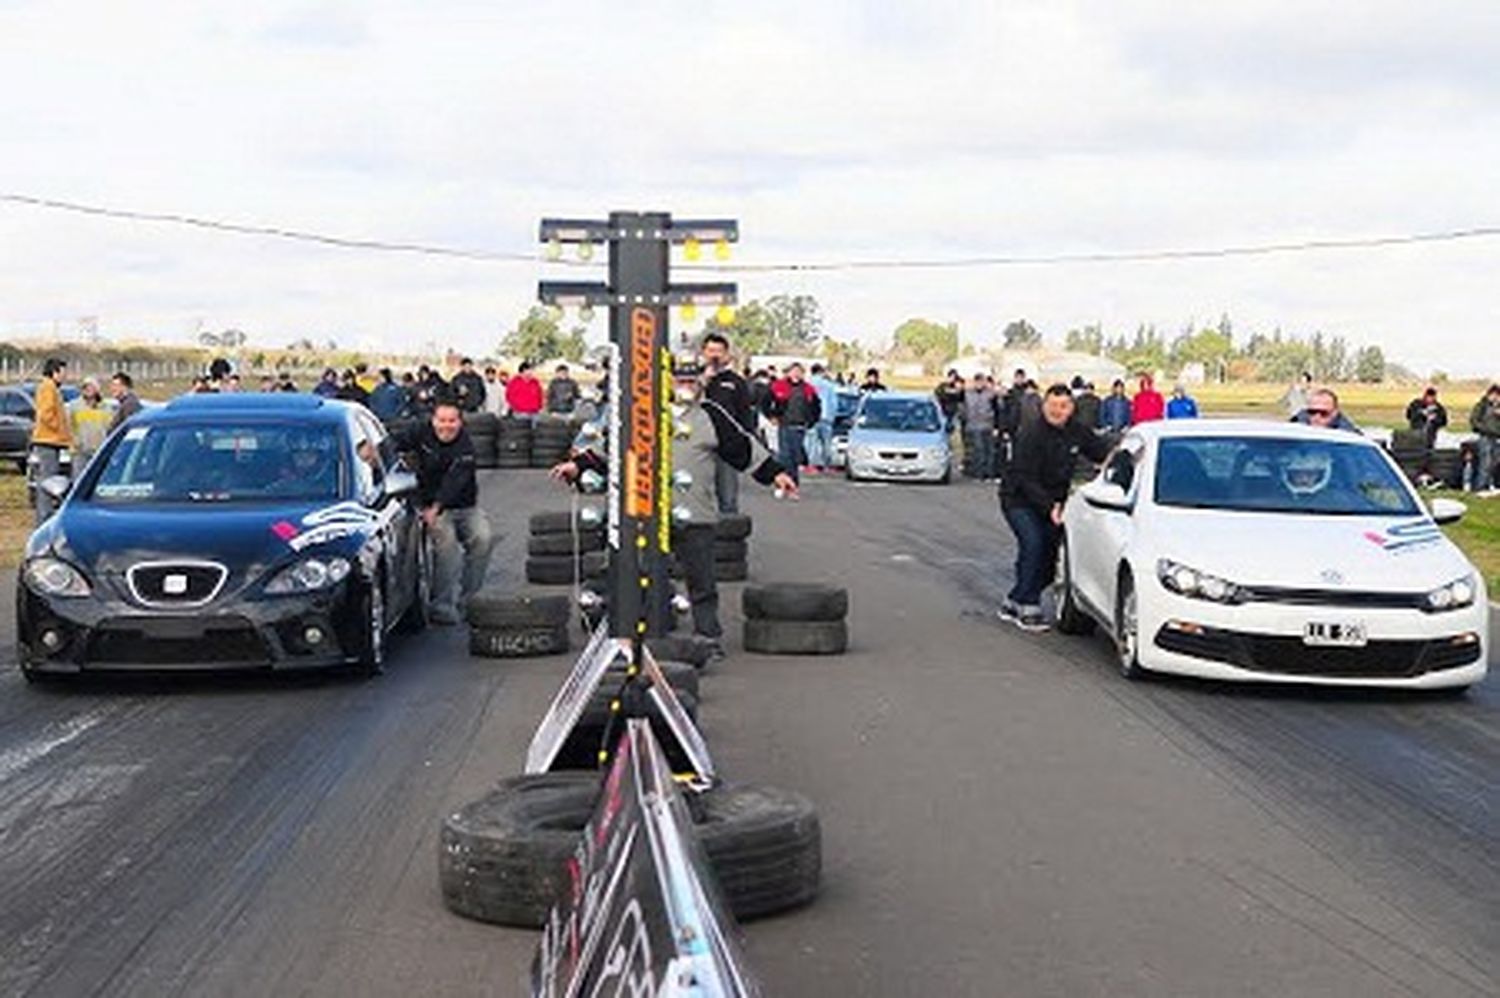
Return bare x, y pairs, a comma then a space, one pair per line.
398, 482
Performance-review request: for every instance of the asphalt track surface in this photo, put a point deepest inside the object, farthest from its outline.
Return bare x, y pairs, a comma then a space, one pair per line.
1002, 813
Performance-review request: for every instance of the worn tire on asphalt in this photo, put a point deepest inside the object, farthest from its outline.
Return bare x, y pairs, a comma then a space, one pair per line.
731, 571
559, 570
692, 650
503, 858
496, 610
681, 676
555, 544
518, 642
557, 522
731, 550
796, 637
733, 527
795, 601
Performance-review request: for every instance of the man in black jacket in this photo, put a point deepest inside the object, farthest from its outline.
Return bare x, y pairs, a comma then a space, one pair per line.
468, 386
727, 389
1032, 495
448, 493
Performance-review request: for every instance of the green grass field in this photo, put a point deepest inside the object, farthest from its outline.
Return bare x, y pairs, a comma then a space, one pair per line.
1478, 533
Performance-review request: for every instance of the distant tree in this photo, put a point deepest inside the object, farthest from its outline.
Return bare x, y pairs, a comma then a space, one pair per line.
1089, 339
844, 355
1369, 365
796, 321
749, 331
930, 343
1021, 335
1210, 347
538, 336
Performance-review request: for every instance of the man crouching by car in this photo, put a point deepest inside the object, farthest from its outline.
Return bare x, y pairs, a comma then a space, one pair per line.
448, 493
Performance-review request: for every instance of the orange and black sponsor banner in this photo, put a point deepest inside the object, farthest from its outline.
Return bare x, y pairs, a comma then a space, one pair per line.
641, 453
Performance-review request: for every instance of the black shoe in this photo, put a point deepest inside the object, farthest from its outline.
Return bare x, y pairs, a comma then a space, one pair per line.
1008, 610
1032, 619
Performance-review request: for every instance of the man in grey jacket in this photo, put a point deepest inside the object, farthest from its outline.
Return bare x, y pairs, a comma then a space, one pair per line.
979, 412
705, 432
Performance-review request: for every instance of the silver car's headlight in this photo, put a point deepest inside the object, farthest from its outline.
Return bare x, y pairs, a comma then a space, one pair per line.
55, 577
1454, 596
935, 454
862, 451
309, 575
1187, 581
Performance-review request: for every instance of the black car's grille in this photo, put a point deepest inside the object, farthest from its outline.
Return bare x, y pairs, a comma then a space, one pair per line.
231, 644
176, 583
1289, 656
1333, 597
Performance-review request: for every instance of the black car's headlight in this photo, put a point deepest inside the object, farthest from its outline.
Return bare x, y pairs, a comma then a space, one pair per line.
54, 577
309, 575
1190, 582
1454, 596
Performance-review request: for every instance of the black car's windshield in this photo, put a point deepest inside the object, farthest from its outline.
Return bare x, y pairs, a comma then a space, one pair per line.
221, 462
1265, 474
909, 415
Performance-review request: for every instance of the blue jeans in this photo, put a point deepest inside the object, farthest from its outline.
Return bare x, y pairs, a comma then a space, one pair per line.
461, 544
979, 444
1036, 553
819, 444
1486, 453
789, 450
726, 486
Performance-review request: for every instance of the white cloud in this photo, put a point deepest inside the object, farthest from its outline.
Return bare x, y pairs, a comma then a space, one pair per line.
830, 130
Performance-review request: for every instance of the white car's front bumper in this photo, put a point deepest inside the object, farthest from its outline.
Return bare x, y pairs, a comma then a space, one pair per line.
1264, 642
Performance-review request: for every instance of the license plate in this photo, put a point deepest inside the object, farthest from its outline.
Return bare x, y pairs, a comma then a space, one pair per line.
1334, 634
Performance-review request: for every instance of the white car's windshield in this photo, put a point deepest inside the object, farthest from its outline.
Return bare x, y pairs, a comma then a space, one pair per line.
1265, 474
221, 463
908, 415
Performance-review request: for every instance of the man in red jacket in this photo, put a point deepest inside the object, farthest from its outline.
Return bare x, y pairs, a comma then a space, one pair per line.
794, 404
523, 393
1148, 403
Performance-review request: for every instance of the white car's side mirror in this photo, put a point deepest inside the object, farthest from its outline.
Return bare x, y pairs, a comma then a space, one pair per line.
1106, 495
1446, 511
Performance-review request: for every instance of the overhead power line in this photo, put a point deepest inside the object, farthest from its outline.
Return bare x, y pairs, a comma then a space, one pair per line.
891, 263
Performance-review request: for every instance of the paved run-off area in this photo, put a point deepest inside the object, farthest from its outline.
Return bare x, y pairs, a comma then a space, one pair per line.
1002, 814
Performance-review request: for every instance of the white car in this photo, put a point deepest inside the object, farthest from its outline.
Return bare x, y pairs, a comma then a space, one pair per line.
1271, 552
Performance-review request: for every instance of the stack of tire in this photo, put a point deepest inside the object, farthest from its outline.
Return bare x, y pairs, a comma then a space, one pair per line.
484, 429
792, 618
513, 443
551, 437
562, 550
520, 625
731, 549
505, 857
1409, 448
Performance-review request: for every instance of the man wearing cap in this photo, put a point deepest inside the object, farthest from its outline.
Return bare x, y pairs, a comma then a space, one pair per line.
705, 433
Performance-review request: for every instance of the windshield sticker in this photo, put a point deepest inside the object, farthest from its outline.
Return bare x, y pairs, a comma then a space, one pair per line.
1405, 536
136, 433
129, 490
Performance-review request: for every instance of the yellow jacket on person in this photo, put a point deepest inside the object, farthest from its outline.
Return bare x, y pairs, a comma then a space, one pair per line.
51, 426
90, 425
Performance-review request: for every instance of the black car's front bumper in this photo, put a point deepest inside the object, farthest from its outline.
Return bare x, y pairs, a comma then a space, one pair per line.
88, 634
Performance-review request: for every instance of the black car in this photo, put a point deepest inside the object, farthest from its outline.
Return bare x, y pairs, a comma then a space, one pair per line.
225, 532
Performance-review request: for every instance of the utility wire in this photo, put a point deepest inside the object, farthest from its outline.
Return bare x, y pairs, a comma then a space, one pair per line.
948, 263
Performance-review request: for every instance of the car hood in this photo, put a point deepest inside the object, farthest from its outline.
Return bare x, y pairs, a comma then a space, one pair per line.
109, 539
1371, 554
859, 436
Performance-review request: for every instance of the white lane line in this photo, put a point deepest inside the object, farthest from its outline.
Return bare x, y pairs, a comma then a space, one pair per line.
13, 760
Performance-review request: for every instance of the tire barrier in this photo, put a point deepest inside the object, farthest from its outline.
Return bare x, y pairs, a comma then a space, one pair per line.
796, 619
505, 857
521, 626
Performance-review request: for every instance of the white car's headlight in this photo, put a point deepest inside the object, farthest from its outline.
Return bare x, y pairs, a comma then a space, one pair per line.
309, 575
54, 577
935, 454
862, 451
1187, 581
1454, 596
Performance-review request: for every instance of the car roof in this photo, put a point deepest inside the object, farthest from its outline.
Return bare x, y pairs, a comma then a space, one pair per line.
1169, 429
293, 405
902, 396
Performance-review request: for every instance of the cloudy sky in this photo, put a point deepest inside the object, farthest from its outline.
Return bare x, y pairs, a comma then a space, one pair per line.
831, 130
